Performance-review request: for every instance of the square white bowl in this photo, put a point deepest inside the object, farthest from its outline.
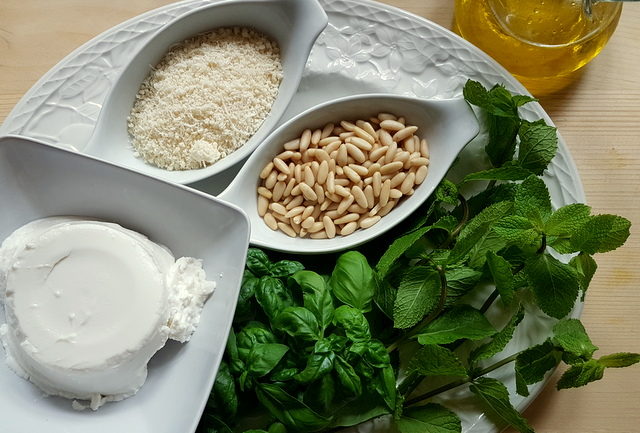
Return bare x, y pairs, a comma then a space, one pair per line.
38, 180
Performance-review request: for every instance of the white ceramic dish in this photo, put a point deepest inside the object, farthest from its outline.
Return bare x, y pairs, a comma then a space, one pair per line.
448, 125
294, 24
37, 181
367, 47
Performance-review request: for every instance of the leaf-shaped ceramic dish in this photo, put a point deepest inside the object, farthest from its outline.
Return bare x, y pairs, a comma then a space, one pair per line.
39, 180
294, 24
448, 125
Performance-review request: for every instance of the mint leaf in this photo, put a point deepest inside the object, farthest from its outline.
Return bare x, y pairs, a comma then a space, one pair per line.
499, 341
533, 363
532, 200
461, 322
503, 131
506, 172
554, 284
460, 280
384, 295
586, 267
397, 248
570, 335
484, 239
476, 94
430, 418
581, 374
434, 360
521, 386
502, 274
567, 220
618, 360
495, 397
601, 233
519, 231
465, 244
538, 145
417, 295
589, 371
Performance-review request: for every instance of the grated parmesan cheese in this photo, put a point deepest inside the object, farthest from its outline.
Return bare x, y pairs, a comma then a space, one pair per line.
208, 95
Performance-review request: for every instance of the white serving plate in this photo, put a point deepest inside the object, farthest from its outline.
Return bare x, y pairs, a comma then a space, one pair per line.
367, 47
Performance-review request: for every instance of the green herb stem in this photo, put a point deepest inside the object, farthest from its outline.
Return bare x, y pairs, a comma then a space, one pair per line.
457, 383
490, 300
465, 217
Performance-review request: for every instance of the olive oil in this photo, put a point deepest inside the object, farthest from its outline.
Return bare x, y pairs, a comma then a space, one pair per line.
537, 39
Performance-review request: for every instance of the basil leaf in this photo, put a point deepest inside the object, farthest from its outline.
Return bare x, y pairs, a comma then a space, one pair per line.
316, 296
298, 322
258, 262
263, 357
289, 410
273, 296
352, 281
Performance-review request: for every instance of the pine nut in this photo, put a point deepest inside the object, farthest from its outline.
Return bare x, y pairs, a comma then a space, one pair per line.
307, 212
271, 180
398, 179
264, 192
395, 193
359, 196
281, 165
391, 151
309, 178
308, 192
419, 161
408, 183
365, 223
278, 191
368, 193
361, 143
404, 133
341, 190
348, 126
318, 235
308, 222
305, 140
385, 137
391, 125
319, 192
384, 192
287, 154
424, 148
364, 135
386, 116
263, 205
361, 170
329, 227
377, 184
355, 153
297, 173
421, 174
386, 209
282, 177
295, 202
344, 204
341, 159
278, 208
292, 145
322, 155
351, 174
316, 136
270, 221
367, 127
326, 131
323, 172
349, 228
356, 208
391, 167
331, 185
296, 190
293, 212
287, 229
266, 171
315, 227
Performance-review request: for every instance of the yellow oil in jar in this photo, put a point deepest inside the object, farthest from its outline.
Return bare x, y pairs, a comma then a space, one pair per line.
536, 39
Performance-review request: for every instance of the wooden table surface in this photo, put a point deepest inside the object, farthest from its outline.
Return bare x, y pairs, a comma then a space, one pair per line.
598, 116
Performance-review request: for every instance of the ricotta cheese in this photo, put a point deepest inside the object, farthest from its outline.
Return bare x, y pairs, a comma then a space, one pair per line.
88, 303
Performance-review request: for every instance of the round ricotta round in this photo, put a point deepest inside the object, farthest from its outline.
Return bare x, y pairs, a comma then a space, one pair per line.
87, 307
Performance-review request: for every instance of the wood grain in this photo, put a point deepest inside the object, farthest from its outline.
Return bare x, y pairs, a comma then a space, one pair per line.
598, 116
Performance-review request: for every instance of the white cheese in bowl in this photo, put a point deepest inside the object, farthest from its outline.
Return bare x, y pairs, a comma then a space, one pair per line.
88, 303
